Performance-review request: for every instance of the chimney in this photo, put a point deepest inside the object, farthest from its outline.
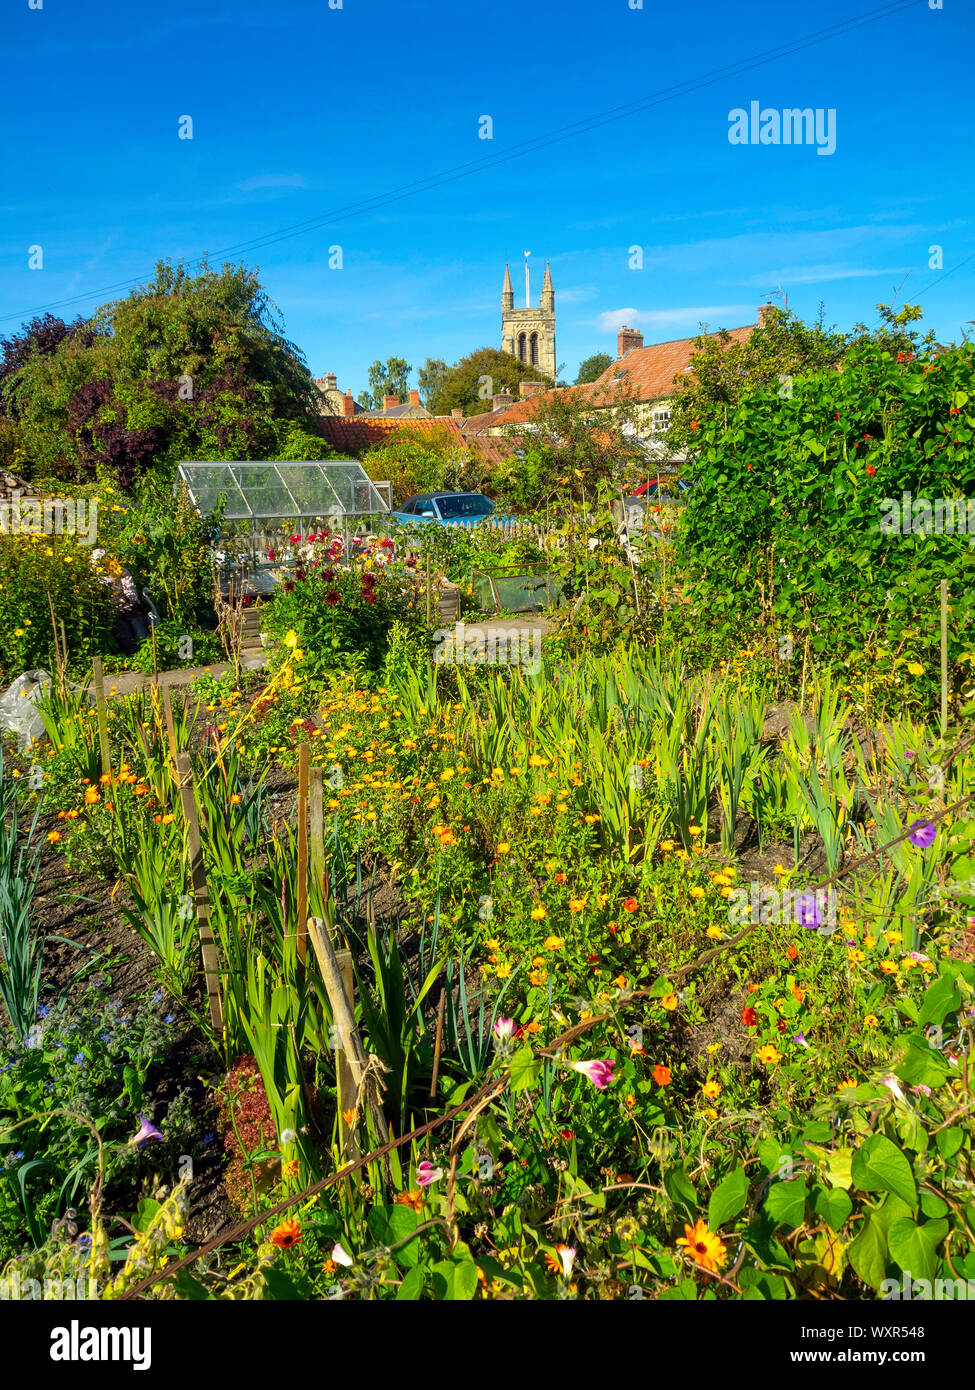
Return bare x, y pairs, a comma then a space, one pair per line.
348, 403
414, 398
626, 340
457, 413
389, 402
503, 398
530, 388
331, 382
764, 310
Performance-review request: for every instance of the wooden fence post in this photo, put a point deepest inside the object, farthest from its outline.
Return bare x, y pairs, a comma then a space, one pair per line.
208, 948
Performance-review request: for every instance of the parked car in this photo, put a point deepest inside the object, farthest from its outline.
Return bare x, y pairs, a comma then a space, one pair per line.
445, 508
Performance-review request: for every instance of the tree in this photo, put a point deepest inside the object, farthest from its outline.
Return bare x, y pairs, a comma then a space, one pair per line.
187, 366
42, 335
593, 367
430, 379
472, 382
569, 450
391, 378
412, 462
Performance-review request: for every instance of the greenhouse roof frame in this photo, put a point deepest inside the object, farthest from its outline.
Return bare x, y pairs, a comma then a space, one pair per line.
261, 490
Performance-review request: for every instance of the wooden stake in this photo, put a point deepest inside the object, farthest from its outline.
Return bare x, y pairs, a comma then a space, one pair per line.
301, 926
170, 725
944, 655
102, 716
348, 1134
208, 948
437, 1042
343, 1018
316, 835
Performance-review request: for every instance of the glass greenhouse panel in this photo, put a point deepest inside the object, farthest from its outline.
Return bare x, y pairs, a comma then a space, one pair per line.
253, 491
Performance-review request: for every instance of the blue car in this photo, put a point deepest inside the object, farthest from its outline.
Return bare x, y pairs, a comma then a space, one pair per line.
445, 508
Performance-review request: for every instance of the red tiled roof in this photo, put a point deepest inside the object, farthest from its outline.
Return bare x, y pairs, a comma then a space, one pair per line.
356, 432
642, 374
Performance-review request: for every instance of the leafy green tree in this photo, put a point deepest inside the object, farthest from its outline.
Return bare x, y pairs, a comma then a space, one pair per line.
470, 383
422, 462
430, 379
187, 366
389, 378
592, 368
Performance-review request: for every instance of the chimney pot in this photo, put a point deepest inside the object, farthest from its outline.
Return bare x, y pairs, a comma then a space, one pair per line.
414, 398
457, 412
389, 402
764, 310
626, 340
331, 381
348, 403
530, 388
501, 399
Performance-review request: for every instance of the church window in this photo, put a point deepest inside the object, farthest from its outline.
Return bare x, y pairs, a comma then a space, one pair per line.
534, 349
521, 347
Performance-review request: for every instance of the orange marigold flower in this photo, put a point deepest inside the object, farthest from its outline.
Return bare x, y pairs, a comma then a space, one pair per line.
410, 1199
661, 1075
287, 1234
630, 905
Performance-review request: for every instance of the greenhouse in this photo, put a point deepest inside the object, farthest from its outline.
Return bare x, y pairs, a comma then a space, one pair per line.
261, 506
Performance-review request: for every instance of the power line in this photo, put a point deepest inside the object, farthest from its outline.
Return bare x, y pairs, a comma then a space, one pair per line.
518, 151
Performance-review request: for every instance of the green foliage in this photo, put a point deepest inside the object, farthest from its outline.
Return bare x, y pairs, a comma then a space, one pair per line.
389, 378
592, 368
472, 382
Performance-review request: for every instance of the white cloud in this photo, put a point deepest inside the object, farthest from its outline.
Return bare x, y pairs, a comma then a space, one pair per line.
813, 274
614, 319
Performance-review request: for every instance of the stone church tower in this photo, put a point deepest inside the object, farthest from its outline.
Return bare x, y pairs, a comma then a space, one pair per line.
529, 334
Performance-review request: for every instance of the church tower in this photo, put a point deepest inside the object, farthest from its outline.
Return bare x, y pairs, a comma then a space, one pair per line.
528, 333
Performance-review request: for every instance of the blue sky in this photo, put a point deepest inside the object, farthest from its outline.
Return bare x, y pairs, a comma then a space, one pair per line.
300, 110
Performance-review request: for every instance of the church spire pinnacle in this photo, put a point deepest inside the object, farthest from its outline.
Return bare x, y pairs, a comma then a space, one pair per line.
507, 290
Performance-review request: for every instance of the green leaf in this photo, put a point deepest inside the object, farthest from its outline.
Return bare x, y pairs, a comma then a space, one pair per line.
914, 1246
391, 1224
941, 999
880, 1166
411, 1286
786, 1202
680, 1189
868, 1254
949, 1141
728, 1198
922, 1066
279, 1287
525, 1069
834, 1206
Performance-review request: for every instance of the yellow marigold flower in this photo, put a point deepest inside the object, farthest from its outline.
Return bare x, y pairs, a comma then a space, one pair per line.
538, 977
554, 943
871, 1021
893, 936
576, 904
704, 1246
670, 1002
693, 830
697, 892
538, 913
666, 846
768, 1055
780, 871
714, 933
493, 944
889, 967
503, 848
503, 971
711, 1089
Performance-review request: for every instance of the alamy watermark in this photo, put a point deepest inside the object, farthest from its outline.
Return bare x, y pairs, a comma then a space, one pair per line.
790, 126
475, 646
946, 516
49, 516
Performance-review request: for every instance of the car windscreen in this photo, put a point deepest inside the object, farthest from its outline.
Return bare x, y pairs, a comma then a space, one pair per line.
464, 504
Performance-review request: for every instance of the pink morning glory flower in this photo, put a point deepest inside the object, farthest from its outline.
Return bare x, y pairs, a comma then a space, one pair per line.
147, 1131
600, 1073
504, 1029
426, 1173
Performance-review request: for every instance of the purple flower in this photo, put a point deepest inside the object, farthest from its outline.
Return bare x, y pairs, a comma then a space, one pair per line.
800, 1038
147, 1131
921, 834
807, 912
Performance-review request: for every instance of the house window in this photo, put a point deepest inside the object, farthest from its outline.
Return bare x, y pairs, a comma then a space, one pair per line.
660, 421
